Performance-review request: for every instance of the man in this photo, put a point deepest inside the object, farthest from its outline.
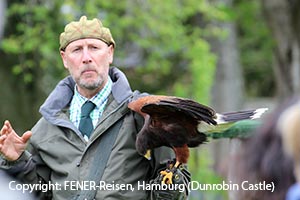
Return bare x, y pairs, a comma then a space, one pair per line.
83, 147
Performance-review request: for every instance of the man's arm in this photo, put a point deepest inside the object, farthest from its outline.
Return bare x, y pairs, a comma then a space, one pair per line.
19, 162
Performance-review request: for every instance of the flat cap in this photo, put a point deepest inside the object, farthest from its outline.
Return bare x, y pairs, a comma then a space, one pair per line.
85, 28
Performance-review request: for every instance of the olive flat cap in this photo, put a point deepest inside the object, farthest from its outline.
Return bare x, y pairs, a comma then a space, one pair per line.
85, 28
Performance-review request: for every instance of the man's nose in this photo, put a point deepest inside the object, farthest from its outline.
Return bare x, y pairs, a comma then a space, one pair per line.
86, 56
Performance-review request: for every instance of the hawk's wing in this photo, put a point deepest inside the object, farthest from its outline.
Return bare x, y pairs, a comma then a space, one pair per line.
180, 110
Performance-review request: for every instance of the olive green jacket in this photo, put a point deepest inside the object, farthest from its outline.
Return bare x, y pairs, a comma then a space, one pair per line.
58, 154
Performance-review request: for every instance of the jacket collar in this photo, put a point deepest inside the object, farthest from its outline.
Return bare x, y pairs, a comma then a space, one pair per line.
121, 89
61, 96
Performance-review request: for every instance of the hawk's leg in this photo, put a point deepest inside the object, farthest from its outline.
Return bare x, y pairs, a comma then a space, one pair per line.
168, 173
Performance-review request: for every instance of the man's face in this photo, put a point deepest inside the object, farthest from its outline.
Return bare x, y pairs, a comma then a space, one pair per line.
88, 62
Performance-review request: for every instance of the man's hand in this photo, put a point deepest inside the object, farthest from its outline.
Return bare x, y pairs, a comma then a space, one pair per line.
181, 180
11, 145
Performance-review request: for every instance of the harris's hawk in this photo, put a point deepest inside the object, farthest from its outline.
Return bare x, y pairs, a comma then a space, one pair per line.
180, 124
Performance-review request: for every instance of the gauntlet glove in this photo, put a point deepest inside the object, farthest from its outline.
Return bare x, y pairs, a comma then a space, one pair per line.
178, 190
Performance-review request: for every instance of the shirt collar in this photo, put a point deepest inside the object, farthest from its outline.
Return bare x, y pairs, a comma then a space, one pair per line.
98, 99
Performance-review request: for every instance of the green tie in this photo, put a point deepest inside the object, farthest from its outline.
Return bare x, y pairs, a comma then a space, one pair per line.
86, 124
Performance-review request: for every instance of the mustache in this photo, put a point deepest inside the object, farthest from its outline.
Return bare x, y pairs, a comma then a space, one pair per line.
87, 68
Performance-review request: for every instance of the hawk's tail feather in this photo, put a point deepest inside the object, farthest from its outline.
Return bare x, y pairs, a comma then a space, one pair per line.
240, 115
240, 129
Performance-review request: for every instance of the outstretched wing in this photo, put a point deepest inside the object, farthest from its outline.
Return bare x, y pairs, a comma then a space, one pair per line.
180, 110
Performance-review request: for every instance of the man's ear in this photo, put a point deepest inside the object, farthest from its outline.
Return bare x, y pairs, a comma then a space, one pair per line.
111, 53
63, 57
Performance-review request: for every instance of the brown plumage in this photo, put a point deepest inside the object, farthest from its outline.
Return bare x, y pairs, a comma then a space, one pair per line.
171, 122
179, 123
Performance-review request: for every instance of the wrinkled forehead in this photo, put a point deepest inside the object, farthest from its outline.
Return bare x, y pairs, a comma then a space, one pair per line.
86, 42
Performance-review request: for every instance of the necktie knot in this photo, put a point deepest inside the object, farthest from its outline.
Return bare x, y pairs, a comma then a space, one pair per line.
87, 108
86, 124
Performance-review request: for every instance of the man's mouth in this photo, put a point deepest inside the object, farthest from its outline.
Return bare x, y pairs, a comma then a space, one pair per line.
87, 72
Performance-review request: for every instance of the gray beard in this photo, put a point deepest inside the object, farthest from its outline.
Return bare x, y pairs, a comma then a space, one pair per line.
91, 86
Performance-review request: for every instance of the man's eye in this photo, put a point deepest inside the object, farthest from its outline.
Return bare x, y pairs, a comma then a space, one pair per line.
76, 50
95, 48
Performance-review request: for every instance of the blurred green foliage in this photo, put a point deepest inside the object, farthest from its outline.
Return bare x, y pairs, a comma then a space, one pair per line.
31, 43
163, 34
201, 168
166, 37
256, 48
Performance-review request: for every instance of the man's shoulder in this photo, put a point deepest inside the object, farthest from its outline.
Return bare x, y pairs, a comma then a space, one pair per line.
137, 94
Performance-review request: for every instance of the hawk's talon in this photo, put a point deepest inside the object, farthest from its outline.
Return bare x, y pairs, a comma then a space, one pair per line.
167, 177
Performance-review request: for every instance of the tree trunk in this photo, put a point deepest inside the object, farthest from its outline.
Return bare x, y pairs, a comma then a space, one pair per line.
2, 17
283, 20
227, 94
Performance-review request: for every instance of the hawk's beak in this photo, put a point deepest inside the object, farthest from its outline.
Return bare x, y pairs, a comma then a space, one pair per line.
148, 154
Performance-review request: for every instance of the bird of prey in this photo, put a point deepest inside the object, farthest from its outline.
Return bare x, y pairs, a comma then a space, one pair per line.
180, 123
